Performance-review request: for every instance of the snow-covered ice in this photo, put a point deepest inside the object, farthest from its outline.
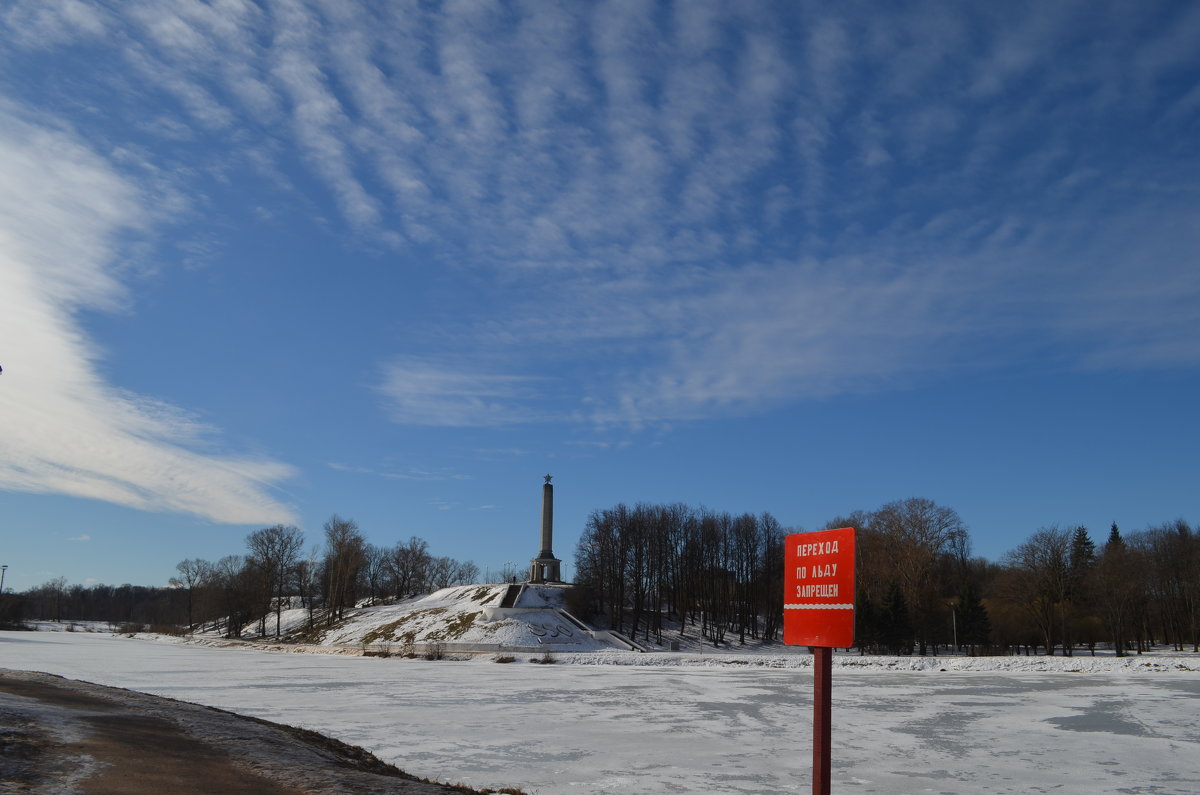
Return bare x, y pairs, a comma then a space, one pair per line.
685, 723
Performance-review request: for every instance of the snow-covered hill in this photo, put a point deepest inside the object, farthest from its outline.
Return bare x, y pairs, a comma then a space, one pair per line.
527, 618
468, 618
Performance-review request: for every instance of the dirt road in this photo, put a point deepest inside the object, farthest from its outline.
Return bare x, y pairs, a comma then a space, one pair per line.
60, 735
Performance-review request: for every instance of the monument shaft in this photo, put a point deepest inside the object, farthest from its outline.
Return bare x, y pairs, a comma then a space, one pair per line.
547, 522
545, 567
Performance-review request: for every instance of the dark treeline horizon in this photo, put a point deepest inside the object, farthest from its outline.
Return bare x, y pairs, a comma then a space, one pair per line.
239, 590
648, 567
651, 570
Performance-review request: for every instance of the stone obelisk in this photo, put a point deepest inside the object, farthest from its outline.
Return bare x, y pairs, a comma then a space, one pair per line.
545, 567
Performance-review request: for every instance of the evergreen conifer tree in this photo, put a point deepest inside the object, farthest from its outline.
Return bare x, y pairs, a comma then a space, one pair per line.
1114, 539
1115, 597
897, 630
1083, 552
866, 624
974, 625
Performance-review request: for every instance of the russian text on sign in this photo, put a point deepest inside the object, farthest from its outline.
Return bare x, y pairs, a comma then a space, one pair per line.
819, 588
821, 548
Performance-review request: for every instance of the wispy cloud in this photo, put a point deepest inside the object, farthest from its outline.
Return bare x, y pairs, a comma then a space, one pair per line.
45, 24
408, 474
690, 209
435, 393
64, 213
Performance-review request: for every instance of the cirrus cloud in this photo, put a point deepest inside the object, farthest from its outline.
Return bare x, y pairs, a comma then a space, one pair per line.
688, 209
63, 429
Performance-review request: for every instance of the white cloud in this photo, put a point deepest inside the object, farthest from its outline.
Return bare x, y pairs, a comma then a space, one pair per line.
764, 335
63, 430
434, 393
714, 209
44, 23
318, 119
409, 474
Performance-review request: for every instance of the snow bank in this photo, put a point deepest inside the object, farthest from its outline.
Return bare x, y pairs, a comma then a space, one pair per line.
850, 662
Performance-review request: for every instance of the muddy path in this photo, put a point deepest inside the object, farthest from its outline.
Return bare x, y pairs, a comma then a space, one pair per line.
61, 735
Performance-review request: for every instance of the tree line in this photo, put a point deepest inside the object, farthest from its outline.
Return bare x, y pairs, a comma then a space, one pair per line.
650, 570
345, 571
56, 600
274, 572
1134, 592
656, 569
652, 565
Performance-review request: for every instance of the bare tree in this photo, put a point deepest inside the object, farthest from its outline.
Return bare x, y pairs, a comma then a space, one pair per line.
308, 583
193, 573
446, 572
56, 593
1169, 554
468, 573
770, 575
1040, 580
275, 551
408, 565
345, 554
234, 579
916, 532
440, 573
375, 560
648, 562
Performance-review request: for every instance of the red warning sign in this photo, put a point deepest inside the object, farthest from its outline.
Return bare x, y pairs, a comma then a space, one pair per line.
818, 588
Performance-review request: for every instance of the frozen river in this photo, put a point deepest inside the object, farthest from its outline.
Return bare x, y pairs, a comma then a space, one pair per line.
733, 728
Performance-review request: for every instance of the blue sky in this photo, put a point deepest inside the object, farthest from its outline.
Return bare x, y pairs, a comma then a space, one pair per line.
266, 262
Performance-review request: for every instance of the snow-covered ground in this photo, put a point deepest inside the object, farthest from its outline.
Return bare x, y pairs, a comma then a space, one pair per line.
460, 618
695, 723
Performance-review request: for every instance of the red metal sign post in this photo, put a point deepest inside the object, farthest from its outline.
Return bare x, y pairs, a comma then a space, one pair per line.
818, 611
